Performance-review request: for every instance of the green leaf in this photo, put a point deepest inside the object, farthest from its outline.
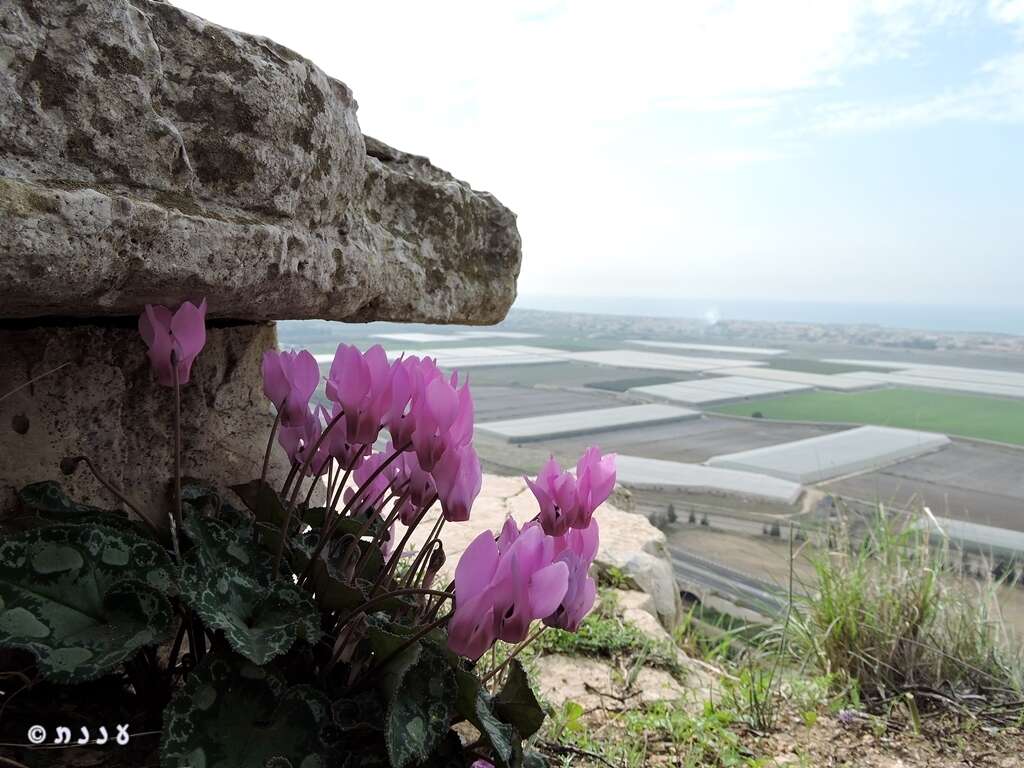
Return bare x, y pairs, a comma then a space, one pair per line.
259, 621
200, 495
263, 501
474, 704
219, 545
314, 516
233, 714
49, 500
389, 645
361, 711
421, 709
83, 598
516, 704
332, 594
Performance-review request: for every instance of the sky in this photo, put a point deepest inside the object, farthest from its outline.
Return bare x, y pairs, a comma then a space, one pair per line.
824, 150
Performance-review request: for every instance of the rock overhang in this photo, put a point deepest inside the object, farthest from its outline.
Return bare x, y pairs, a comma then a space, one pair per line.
147, 155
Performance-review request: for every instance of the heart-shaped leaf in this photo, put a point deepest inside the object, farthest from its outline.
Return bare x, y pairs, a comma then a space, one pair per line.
234, 714
49, 501
220, 545
421, 709
263, 501
476, 705
83, 598
260, 621
516, 704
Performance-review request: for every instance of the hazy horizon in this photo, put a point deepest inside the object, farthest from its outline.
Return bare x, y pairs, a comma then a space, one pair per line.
848, 150
996, 319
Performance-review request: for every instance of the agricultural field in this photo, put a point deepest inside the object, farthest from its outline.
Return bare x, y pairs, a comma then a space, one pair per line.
803, 365
985, 418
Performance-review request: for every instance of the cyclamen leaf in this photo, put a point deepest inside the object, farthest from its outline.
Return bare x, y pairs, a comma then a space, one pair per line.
233, 714
83, 598
259, 621
201, 496
516, 704
474, 704
263, 501
421, 709
219, 545
49, 500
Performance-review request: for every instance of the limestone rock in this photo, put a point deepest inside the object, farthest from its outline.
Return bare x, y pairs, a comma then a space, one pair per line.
103, 403
638, 550
147, 155
638, 609
628, 541
593, 683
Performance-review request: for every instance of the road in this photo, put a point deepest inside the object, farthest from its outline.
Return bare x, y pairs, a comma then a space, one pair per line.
741, 588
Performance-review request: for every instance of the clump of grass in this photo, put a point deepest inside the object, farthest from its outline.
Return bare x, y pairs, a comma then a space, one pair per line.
654, 734
890, 613
604, 634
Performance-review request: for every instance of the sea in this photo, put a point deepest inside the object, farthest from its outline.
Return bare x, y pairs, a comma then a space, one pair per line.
923, 317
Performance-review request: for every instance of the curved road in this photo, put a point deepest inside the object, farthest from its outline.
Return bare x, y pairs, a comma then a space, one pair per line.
739, 587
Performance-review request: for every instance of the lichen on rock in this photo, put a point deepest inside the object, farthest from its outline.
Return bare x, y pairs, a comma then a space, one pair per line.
147, 155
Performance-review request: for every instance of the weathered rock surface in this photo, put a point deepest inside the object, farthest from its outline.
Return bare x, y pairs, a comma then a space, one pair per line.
594, 683
628, 541
104, 404
147, 155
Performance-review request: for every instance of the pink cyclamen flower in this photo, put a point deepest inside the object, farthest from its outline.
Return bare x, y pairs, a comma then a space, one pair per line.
174, 339
443, 416
577, 549
556, 493
360, 385
568, 501
346, 452
499, 592
298, 442
289, 380
481, 764
458, 478
595, 480
415, 482
405, 373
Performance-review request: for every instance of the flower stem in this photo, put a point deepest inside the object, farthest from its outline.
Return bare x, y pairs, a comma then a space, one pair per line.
515, 652
113, 489
365, 607
392, 562
176, 511
428, 545
327, 529
414, 639
270, 445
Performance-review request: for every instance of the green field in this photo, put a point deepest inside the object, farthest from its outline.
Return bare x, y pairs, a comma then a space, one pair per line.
987, 418
804, 365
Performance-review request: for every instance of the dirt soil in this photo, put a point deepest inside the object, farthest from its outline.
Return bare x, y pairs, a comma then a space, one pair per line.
942, 744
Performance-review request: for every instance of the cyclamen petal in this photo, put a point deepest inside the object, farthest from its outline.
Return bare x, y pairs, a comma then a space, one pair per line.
577, 549
476, 567
458, 479
547, 588
174, 340
471, 631
289, 381
595, 476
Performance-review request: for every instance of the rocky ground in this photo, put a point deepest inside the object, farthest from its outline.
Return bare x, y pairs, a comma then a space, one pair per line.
638, 686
